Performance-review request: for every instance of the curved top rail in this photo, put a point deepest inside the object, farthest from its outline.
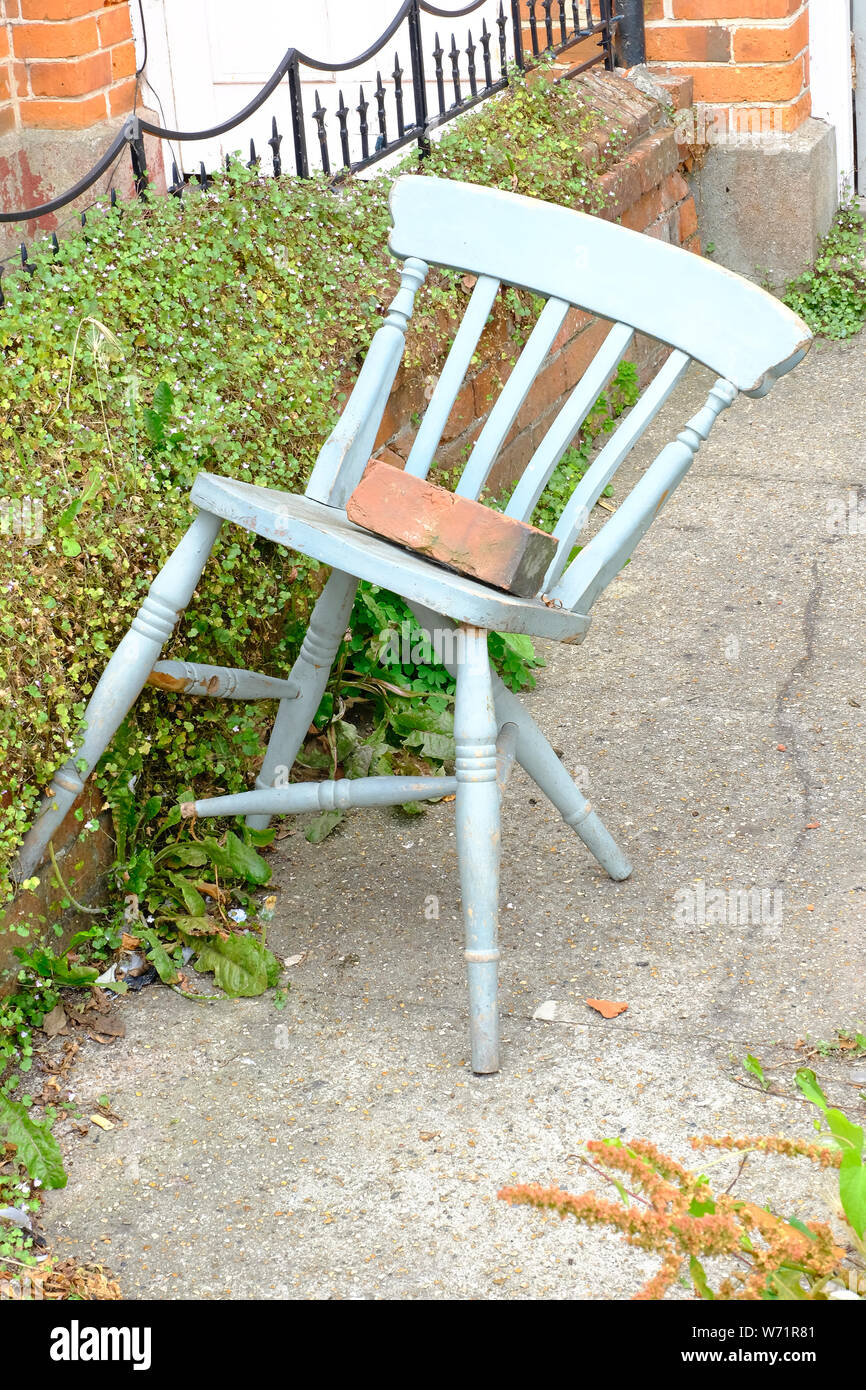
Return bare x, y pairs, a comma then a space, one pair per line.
708, 312
251, 107
449, 14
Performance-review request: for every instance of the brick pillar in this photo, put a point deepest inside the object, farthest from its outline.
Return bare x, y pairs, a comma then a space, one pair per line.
7, 109
749, 58
67, 82
73, 61
765, 176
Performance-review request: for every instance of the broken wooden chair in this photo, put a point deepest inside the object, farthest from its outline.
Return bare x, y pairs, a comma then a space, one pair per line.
639, 284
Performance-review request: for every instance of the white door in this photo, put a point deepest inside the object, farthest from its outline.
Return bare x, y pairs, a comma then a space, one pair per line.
208, 58
858, 24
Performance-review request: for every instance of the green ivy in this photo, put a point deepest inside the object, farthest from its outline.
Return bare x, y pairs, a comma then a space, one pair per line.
831, 295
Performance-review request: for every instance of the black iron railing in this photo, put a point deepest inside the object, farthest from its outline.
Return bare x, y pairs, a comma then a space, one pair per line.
462, 74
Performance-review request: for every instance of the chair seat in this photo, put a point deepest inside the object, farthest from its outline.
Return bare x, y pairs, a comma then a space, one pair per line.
326, 534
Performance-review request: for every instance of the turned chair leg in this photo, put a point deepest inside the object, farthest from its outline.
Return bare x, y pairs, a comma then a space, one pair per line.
328, 623
536, 757
122, 680
478, 842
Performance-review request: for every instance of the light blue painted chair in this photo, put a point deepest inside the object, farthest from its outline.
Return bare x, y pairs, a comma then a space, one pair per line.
703, 312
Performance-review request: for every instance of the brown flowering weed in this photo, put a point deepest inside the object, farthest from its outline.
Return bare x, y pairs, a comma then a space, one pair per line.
665, 1208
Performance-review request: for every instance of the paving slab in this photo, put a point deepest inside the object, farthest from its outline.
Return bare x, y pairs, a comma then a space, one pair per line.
340, 1147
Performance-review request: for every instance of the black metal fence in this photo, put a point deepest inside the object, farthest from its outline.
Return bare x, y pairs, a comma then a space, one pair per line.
463, 74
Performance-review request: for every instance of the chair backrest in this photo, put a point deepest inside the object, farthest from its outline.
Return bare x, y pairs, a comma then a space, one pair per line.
703, 312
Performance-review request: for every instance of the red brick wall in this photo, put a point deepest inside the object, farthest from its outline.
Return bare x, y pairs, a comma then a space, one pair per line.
65, 64
749, 59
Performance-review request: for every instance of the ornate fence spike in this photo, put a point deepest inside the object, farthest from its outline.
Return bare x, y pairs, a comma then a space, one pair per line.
296, 103
576, 14
438, 53
253, 161
470, 56
112, 198
2, 296
533, 28
454, 55
138, 157
362, 108
380, 112
319, 118
25, 264
84, 219
398, 96
563, 23
175, 188
419, 82
485, 49
55, 244
342, 117
548, 22
204, 181
501, 22
275, 141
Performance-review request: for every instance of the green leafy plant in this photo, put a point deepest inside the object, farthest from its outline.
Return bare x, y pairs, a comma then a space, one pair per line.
36, 1148
831, 295
753, 1065
179, 888
848, 1139
845, 1043
241, 965
534, 137
158, 416
16, 1239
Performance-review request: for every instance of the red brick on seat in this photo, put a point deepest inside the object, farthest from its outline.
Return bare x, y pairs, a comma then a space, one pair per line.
455, 531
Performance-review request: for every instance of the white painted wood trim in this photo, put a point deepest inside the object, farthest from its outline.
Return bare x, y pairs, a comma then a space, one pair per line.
830, 77
859, 16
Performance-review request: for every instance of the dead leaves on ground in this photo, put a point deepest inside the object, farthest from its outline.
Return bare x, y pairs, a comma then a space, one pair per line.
65, 1280
92, 1013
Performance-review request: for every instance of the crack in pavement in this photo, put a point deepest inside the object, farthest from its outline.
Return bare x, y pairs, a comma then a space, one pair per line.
789, 733
788, 730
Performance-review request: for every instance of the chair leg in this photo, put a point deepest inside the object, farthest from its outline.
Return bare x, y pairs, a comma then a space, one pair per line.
536, 756
478, 842
328, 623
122, 680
